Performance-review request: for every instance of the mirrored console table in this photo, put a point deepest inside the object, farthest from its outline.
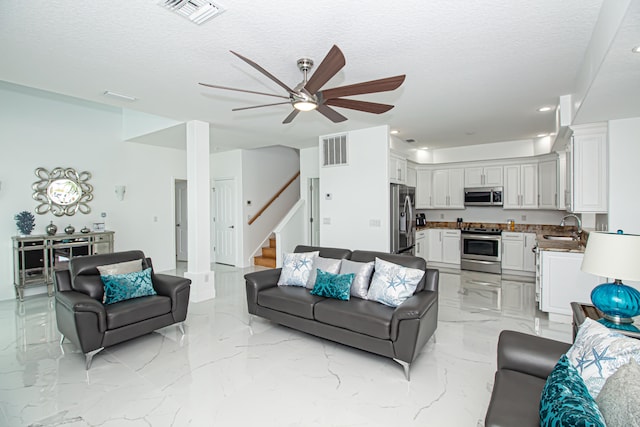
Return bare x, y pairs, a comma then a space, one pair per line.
35, 257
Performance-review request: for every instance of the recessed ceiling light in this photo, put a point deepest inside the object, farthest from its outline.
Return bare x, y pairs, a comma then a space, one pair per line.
120, 96
545, 109
394, 132
636, 49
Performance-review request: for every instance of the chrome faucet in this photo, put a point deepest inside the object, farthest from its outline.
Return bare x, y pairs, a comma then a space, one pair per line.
562, 222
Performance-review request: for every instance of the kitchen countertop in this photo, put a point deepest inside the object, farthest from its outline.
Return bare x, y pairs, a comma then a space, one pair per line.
539, 229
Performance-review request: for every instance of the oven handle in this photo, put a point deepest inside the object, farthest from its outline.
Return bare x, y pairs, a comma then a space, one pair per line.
480, 236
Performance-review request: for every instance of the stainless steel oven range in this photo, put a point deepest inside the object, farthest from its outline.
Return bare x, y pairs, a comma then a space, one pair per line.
481, 250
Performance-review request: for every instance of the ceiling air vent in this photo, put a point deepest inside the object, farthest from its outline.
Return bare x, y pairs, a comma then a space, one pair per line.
197, 11
334, 150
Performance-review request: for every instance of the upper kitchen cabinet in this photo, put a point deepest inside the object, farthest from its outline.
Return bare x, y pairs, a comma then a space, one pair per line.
483, 176
548, 184
587, 159
424, 189
397, 169
412, 175
448, 188
521, 186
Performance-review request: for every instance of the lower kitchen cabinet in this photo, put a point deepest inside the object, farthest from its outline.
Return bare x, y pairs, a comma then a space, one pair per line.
421, 249
444, 246
562, 282
517, 253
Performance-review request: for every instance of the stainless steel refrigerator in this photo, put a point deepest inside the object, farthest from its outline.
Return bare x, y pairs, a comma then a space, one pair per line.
403, 222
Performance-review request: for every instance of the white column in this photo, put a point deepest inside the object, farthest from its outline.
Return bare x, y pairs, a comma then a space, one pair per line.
198, 193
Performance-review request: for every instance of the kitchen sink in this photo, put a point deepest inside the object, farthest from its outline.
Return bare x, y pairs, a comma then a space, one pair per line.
561, 238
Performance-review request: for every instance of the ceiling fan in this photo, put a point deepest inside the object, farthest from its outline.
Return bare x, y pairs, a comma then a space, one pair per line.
307, 96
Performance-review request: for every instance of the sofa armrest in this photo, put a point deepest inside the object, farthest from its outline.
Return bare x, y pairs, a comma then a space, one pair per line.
260, 280
77, 302
413, 308
170, 286
529, 354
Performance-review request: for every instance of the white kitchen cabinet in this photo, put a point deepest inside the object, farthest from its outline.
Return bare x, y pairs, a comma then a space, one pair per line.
512, 251
528, 255
451, 247
562, 282
521, 186
434, 245
424, 188
517, 252
412, 177
589, 169
421, 249
444, 246
483, 176
548, 184
448, 188
397, 169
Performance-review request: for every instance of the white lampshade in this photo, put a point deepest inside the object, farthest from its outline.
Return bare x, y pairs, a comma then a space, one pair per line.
612, 255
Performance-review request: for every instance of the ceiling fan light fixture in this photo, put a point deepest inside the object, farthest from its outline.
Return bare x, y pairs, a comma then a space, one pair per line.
305, 105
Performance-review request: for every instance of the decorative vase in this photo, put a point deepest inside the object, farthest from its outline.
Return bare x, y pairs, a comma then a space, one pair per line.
69, 229
51, 229
25, 222
85, 230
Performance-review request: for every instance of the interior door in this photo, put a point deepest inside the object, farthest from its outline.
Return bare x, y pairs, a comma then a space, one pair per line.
225, 221
182, 225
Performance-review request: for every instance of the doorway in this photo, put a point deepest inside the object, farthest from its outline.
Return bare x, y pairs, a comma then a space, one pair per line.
225, 221
182, 224
314, 211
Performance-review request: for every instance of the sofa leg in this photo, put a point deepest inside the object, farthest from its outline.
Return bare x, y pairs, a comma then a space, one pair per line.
88, 357
181, 327
406, 367
61, 339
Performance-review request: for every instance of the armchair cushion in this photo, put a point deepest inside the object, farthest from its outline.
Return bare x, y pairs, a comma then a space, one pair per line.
120, 287
136, 310
120, 267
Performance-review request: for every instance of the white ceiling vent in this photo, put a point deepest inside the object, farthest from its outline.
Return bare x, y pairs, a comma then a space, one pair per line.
334, 150
197, 11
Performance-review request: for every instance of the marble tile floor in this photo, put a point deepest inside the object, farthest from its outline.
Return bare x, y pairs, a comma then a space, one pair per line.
223, 372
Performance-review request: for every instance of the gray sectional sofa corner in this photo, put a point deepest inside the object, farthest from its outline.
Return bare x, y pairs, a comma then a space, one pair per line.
398, 333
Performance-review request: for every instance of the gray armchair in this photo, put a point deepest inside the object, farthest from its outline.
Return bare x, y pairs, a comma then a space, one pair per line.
88, 323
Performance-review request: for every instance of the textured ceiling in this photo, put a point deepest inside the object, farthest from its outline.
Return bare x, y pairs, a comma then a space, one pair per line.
476, 71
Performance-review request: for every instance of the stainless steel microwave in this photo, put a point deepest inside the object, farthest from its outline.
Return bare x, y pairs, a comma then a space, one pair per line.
483, 196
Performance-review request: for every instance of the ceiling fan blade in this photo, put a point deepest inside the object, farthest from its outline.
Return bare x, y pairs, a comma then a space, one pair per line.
242, 90
329, 67
331, 114
367, 107
263, 71
373, 86
291, 116
259, 106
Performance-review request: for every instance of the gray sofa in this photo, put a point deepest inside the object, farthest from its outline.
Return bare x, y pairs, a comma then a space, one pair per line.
398, 333
524, 363
88, 323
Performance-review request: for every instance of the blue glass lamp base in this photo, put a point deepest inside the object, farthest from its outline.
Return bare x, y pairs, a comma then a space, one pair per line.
619, 302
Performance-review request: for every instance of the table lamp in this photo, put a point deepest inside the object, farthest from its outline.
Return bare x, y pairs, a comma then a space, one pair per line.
614, 255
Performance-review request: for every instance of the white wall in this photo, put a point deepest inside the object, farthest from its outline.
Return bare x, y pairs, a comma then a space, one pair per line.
265, 172
491, 151
41, 129
495, 215
359, 193
624, 175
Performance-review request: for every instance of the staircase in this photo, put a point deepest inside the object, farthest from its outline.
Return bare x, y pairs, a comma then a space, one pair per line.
268, 257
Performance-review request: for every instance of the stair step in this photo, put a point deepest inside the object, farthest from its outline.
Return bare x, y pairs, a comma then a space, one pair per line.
269, 252
272, 242
265, 262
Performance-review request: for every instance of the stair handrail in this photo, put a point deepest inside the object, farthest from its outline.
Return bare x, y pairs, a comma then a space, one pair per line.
273, 199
